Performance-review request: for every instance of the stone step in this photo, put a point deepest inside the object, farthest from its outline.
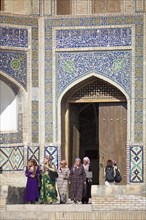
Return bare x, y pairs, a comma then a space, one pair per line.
68, 212
50, 208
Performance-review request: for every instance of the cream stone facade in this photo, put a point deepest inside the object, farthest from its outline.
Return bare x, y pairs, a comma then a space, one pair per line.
59, 56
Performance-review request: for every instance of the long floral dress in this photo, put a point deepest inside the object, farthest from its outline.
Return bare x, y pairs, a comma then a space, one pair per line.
62, 182
77, 178
48, 193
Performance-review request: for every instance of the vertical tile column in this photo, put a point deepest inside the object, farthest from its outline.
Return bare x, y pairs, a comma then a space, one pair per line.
35, 84
139, 80
41, 85
144, 97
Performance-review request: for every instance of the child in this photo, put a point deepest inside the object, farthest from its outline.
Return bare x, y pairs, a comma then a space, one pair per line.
32, 173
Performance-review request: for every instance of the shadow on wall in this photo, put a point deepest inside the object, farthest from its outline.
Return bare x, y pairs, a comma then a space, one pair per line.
15, 195
8, 108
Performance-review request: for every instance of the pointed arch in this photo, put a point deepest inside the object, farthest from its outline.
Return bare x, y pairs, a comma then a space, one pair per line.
14, 84
76, 84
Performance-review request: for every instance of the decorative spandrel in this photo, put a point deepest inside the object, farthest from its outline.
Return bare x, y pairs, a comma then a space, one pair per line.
14, 64
115, 65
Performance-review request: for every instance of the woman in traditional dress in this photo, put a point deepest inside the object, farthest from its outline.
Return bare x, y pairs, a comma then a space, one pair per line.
32, 173
77, 179
62, 181
88, 171
48, 193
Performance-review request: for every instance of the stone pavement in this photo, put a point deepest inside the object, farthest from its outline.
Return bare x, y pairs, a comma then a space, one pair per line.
108, 203
66, 212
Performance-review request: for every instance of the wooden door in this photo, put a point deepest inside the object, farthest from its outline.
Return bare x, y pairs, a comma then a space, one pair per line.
112, 136
74, 133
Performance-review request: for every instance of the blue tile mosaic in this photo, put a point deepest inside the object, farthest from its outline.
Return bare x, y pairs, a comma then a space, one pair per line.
93, 22
115, 65
14, 64
13, 37
53, 152
33, 153
12, 158
35, 122
136, 164
103, 37
9, 36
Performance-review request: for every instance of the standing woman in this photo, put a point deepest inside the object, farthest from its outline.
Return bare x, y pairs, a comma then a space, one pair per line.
32, 173
77, 179
88, 171
109, 173
62, 181
48, 193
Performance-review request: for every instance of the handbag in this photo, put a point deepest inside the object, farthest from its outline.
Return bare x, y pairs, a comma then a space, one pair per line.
53, 175
89, 174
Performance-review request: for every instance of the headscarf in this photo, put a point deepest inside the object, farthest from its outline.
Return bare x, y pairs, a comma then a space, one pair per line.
77, 159
87, 159
86, 167
48, 157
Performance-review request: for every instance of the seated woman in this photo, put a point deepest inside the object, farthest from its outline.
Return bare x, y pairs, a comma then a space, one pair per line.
62, 181
77, 179
32, 173
48, 193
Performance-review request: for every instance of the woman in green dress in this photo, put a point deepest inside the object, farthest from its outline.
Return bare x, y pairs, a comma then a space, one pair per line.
48, 193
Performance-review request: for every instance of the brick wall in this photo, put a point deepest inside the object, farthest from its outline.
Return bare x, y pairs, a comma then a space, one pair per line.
116, 198
76, 7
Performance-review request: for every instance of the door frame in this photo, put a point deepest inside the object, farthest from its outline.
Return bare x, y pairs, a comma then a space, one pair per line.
59, 110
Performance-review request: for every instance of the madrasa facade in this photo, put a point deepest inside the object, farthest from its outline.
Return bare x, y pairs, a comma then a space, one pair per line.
73, 84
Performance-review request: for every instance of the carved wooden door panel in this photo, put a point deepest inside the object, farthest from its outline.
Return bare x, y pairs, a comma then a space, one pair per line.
74, 133
112, 136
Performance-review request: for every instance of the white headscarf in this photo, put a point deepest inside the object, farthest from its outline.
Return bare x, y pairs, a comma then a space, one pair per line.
86, 167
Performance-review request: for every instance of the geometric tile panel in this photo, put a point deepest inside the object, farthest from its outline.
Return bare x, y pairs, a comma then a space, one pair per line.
14, 37
136, 164
33, 153
12, 158
115, 65
53, 152
102, 37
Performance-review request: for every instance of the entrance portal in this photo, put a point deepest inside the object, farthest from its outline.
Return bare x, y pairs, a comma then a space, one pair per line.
94, 124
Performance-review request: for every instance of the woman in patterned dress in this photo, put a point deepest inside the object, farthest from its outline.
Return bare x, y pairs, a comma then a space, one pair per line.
88, 171
62, 181
77, 179
48, 193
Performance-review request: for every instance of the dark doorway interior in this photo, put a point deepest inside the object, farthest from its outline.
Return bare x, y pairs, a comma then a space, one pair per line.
89, 141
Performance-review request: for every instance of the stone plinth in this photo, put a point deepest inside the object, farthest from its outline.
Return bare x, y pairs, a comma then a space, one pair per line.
114, 198
3, 196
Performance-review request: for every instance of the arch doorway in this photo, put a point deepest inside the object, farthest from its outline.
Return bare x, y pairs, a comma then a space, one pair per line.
94, 124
